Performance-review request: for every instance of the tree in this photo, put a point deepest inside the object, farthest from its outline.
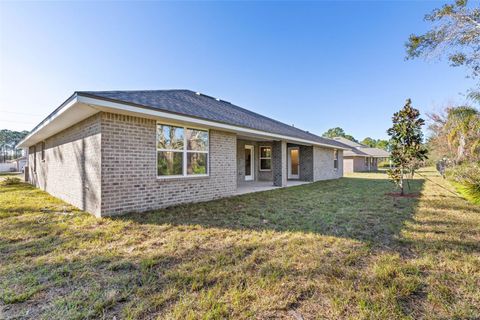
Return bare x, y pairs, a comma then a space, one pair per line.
406, 145
334, 132
337, 132
350, 137
8, 140
382, 144
437, 141
375, 143
463, 127
455, 33
455, 134
369, 142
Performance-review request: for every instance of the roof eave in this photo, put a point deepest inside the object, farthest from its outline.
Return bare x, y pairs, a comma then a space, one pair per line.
91, 104
67, 114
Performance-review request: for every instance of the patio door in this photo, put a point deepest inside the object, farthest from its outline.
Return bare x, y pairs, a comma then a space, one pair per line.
249, 163
293, 163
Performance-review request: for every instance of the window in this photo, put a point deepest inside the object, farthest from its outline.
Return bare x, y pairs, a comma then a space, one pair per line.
366, 162
43, 151
265, 158
181, 151
335, 159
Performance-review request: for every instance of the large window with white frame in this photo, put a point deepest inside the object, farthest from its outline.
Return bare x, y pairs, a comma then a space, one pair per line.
265, 158
181, 151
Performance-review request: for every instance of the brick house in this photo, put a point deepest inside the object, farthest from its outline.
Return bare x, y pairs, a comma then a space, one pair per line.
361, 158
114, 152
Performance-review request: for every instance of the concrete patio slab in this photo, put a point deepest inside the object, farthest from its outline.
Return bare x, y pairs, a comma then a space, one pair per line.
257, 186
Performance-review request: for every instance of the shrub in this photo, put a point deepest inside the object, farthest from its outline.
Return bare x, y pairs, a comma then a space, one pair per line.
384, 164
466, 179
10, 181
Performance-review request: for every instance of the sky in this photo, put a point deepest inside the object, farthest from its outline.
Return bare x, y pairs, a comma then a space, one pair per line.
316, 65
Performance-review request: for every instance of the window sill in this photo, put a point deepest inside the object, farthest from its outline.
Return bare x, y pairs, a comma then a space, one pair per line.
179, 178
265, 170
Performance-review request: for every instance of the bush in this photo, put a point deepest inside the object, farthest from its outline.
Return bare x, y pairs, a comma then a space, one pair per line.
384, 164
11, 181
466, 178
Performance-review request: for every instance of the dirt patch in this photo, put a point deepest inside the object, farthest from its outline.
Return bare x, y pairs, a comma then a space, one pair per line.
406, 195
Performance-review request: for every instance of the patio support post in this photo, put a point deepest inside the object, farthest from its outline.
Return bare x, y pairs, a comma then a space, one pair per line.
279, 163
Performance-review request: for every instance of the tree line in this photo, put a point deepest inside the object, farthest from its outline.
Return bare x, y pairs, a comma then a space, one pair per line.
8, 141
370, 142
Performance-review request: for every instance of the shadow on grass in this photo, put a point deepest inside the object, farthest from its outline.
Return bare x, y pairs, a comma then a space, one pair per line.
82, 267
355, 208
444, 204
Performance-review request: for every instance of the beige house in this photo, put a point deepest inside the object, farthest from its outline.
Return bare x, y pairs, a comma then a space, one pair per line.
114, 152
361, 158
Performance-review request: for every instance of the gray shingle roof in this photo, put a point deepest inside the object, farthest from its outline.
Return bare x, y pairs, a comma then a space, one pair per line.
366, 152
375, 152
354, 152
349, 143
189, 103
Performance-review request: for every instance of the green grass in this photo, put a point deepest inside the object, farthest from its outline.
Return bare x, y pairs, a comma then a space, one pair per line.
330, 250
10, 174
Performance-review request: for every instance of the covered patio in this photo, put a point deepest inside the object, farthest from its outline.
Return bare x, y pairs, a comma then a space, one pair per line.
268, 164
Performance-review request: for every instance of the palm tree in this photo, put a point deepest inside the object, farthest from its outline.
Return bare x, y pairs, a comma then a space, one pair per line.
463, 131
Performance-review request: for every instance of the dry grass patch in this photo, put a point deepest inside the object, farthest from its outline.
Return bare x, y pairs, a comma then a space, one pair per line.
334, 249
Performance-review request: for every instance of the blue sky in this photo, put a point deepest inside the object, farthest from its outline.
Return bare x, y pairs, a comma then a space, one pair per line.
316, 65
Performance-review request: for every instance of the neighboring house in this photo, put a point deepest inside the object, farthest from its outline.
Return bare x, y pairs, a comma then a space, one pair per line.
19, 163
360, 157
114, 152
7, 167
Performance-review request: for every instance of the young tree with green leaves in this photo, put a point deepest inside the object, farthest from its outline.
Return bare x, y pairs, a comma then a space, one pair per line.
406, 146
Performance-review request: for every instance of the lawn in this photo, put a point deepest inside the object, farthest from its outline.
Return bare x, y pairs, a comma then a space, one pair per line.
10, 174
338, 249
